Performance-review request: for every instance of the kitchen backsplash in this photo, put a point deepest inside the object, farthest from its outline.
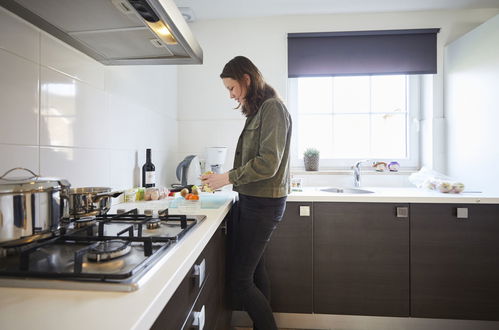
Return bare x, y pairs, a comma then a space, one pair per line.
65, 115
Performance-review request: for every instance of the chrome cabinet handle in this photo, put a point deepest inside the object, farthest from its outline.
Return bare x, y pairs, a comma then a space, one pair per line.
462, 213
199, 273
304, 211
199, 319
402, 212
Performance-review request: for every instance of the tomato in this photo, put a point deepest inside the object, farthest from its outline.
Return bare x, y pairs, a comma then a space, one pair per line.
191, 197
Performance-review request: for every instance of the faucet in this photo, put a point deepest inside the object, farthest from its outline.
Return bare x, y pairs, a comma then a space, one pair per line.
356, 172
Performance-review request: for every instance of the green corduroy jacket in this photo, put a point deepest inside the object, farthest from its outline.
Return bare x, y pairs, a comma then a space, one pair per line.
261, 162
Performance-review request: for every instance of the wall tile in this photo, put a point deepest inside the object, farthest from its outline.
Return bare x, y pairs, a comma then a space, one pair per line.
19, 37
72, 113
18, 156
81, 167
18, 100
126, 124
153, 87
195, 136
62, 57
125, 169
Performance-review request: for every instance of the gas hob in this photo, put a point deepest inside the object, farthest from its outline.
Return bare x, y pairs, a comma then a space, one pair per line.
112, 252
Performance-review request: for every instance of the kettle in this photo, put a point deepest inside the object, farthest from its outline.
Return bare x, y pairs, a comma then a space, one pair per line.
189, 171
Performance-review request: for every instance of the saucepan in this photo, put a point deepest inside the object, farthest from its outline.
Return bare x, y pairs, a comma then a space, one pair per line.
90, 201
31, 207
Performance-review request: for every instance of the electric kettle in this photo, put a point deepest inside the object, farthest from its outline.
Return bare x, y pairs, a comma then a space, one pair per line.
189, 171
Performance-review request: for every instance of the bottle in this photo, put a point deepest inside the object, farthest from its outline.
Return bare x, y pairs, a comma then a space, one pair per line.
148, 171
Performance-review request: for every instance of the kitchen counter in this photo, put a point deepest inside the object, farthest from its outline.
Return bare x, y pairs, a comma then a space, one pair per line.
393, 195
26, 308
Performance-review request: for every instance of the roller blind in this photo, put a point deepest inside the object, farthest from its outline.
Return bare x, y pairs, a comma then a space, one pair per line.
362, 53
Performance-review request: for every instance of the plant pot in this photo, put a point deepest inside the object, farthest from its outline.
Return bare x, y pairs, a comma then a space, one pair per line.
311, 163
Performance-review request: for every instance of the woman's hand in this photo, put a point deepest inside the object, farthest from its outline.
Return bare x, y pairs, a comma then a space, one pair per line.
215, 181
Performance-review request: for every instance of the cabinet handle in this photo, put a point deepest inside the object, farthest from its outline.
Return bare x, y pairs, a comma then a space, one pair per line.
304, 211
462, 213
199, 318
199, 273
402, 212
223, 227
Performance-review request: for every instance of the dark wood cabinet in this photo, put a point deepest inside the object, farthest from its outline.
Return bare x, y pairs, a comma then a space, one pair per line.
455, 261
290, 263
361, 258
207, 296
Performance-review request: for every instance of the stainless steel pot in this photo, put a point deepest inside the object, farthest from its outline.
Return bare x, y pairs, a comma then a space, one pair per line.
31, 207
90, 201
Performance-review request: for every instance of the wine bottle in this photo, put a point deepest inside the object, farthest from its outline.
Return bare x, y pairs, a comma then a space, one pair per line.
148, 171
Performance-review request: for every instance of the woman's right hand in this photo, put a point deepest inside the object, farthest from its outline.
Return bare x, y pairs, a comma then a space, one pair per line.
215, 181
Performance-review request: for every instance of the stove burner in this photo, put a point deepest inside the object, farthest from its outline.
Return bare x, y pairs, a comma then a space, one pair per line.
104, 267
107, 250
83, 222
153, 224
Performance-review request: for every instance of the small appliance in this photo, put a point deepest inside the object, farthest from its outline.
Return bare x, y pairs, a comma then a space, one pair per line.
215, 158
189, 171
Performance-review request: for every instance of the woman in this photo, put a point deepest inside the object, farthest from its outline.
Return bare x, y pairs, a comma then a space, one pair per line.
261, 177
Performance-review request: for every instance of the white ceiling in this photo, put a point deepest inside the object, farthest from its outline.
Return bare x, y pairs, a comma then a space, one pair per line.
218, 9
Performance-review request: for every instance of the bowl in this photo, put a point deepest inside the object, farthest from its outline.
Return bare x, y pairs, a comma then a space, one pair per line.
188, 206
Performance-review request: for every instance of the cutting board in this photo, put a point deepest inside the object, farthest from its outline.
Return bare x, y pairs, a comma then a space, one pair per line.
208, 201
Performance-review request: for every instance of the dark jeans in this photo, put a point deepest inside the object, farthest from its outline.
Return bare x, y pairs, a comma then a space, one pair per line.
255, 220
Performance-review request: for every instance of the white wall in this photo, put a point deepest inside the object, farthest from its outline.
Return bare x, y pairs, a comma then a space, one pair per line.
472, 106
65, 115
204, 105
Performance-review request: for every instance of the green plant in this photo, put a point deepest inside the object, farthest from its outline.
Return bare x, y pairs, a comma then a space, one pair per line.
311, 152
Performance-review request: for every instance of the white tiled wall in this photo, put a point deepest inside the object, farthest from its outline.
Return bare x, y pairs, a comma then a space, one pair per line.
62, 114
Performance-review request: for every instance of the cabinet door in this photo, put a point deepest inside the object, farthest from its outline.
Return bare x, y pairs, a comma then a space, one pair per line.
361, 259
455, 261
289, 261
194, 293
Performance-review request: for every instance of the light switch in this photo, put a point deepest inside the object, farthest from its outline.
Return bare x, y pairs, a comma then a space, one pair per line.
304, 211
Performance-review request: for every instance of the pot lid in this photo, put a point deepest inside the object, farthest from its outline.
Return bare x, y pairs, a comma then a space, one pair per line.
29, 183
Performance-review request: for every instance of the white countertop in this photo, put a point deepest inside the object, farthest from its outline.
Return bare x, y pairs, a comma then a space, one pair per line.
26, 308
395, 195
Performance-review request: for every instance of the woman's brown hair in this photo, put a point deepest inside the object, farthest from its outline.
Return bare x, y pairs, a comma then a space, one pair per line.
258, 91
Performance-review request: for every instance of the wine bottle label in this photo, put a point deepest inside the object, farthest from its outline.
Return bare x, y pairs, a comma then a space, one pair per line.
150, 177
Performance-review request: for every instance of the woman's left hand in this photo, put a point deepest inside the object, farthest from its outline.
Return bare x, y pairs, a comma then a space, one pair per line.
215, 181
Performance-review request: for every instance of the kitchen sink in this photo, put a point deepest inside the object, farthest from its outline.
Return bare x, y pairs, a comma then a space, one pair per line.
347, 191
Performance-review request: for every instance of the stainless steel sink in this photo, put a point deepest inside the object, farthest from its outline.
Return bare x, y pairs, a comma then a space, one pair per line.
347, 191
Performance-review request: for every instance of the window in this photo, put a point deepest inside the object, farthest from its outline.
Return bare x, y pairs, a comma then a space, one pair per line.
349, 118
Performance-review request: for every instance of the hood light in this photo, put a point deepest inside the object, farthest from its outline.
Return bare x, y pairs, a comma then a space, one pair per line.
162, 30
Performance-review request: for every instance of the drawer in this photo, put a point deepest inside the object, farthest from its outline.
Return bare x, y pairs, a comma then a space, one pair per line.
178, 308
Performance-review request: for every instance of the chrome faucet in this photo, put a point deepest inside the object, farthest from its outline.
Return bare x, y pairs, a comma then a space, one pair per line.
356, 172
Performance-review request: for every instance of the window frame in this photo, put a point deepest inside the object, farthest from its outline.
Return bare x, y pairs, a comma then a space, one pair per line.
413, 132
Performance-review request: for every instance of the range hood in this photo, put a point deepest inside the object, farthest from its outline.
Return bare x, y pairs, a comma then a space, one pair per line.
115, 32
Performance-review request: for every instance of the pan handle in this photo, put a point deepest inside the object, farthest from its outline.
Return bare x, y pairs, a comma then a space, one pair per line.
112, 194
19, 168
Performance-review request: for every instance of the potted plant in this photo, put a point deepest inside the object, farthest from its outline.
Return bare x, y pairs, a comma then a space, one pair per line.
311, 159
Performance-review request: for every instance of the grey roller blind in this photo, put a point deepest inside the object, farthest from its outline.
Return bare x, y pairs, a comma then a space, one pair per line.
362, 53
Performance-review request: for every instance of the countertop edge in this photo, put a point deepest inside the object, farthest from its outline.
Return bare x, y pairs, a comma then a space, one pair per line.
392, 195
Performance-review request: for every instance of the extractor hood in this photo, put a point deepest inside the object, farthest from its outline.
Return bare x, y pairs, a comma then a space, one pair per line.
115, 32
